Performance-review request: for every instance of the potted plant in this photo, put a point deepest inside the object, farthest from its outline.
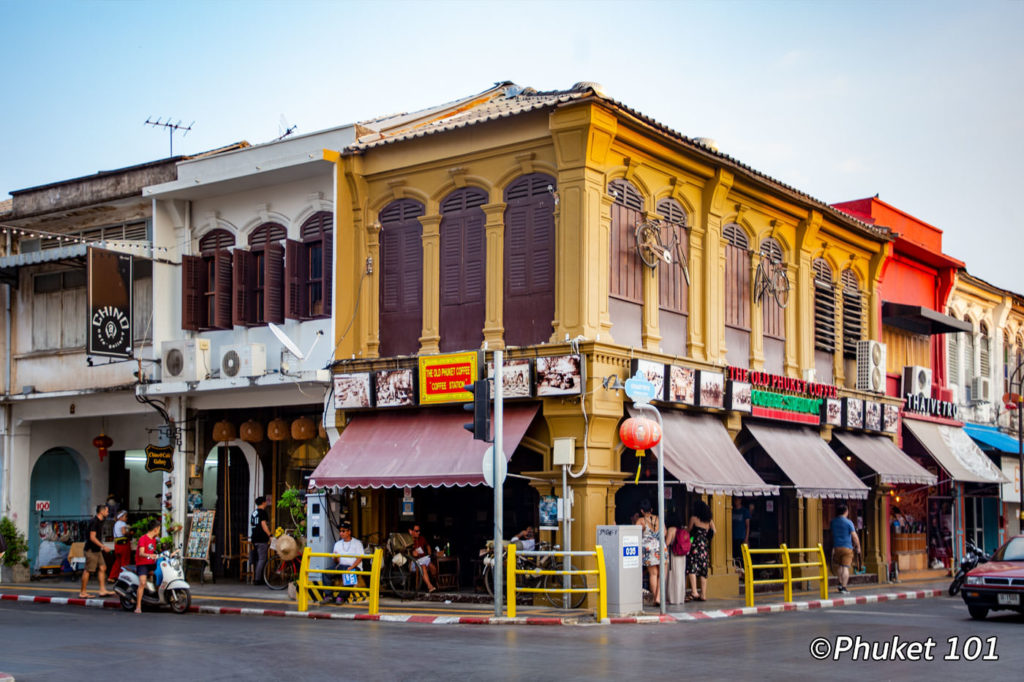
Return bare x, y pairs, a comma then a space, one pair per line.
14, 565
294, 501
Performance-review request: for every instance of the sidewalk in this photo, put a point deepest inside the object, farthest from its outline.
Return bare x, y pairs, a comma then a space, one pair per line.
234, 598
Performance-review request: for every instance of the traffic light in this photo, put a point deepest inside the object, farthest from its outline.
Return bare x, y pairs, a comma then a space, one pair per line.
480, 427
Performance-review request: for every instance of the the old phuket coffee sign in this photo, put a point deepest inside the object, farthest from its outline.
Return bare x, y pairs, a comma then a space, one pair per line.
772, 396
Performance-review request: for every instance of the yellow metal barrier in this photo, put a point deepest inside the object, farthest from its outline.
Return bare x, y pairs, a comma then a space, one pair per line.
787, 567
601, 590
305, 586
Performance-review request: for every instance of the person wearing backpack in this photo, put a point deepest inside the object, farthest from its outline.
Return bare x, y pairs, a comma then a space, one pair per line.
677, 538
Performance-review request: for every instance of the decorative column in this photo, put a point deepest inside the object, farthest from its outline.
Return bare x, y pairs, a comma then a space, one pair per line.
372, 307
430, 340
494, 328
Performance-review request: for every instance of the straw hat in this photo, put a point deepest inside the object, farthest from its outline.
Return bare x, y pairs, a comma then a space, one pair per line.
287, 548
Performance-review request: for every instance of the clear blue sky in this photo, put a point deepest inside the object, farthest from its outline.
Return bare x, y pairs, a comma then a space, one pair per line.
917, 101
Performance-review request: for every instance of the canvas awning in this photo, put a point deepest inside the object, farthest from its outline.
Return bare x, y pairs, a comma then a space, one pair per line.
955, 452
422, 448
992, 438
699, 452
807, 461
880, 454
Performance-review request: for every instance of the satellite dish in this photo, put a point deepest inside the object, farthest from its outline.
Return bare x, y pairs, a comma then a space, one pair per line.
286, 342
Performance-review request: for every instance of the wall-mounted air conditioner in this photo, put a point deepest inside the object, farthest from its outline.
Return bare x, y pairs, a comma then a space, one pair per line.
871, 366
247, 360
981, 390
185, 359
917, 381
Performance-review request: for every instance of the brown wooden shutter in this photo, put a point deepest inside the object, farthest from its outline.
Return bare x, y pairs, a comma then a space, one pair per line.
824, 307
626, 268
673, 294
463, 276
529, 254
773, 316
193, 289
273, 283
295, 280
401, 278
328, 275
222, 290
853, 313
242, 274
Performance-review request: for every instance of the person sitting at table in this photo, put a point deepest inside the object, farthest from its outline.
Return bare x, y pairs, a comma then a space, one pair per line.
525, 539
421, 555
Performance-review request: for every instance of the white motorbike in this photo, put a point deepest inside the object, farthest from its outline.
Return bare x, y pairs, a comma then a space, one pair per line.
166, 586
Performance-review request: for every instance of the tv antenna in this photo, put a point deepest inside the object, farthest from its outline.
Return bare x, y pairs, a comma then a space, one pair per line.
171, 129
284, 128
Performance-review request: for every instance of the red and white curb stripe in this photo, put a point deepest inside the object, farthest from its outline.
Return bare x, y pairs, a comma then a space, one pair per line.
682, 617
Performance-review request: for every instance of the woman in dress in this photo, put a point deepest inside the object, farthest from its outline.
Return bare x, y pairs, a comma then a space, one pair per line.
701, 528
652, 547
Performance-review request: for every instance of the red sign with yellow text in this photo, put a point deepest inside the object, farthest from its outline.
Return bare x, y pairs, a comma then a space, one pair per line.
443, 377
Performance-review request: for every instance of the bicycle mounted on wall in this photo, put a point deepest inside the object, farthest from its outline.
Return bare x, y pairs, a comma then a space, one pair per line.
653, 248
771, 278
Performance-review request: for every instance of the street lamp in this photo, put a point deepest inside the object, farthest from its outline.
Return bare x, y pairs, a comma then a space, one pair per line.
1018, 400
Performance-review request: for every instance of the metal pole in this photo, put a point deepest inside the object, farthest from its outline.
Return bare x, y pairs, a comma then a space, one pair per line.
566, 534
661, 509
1020, 446
498, 451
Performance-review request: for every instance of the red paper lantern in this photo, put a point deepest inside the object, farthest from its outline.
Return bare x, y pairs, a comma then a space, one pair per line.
640, 433
101, 443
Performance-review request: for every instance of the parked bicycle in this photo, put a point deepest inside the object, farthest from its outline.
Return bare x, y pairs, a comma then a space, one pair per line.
401, 574
538, 580
653, 249
771, 278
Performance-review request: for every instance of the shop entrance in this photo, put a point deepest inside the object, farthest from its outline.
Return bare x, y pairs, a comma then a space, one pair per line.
226, 489
60, 477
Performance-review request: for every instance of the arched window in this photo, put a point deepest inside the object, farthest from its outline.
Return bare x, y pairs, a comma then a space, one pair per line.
529, 255
773, 317
401, 277
309, 265
673, 292
463, 269
853, 313
625, 306
259, 277
206, 283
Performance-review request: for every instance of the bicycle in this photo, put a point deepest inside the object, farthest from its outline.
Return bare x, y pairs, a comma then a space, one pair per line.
538, 580
652, 250
771, 277
277, 573
401, 572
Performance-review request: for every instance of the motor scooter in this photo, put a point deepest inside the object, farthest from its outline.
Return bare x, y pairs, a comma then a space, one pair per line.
166, 586
972, 557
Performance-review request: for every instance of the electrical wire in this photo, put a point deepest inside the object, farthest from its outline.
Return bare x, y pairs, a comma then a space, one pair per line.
331, 362
574, 346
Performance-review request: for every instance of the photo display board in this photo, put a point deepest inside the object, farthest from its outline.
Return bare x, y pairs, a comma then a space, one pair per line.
198, 545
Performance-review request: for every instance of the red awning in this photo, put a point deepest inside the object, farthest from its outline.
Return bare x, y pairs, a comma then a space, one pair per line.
423, 448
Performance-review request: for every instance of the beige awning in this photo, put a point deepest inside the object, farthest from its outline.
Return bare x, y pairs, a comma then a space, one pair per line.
955, 452
880, 454
699, 452
807, 461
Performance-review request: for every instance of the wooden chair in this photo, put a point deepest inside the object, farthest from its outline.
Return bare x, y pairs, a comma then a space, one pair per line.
244, 569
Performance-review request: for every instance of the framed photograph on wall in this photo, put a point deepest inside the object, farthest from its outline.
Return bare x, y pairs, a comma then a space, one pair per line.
738, 396
853, 413
654, 372
872, 415
712, 388
681, 386
890, 418
395, 387
518, 378
353, 391
559, 375
832, 411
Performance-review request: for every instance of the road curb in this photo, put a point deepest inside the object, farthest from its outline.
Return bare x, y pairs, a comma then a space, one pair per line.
688, 617
6, 677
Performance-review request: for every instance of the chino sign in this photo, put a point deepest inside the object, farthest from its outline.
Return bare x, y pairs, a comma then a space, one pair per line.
443, 378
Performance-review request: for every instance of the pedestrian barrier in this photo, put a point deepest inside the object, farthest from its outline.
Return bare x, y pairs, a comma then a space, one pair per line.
787, 567
513, 571
305, 586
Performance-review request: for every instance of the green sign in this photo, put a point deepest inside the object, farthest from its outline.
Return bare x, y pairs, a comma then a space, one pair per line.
789, 403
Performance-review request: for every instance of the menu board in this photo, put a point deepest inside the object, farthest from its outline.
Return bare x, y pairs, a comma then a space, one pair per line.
198, 545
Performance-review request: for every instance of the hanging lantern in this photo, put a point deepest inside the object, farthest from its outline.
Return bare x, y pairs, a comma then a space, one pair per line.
303, 428
640, 433
101, 443
320, 430
277, 429
224, 431
251, 431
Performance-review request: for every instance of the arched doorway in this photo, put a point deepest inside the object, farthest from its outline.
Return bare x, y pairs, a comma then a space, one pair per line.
228, 475
60, 476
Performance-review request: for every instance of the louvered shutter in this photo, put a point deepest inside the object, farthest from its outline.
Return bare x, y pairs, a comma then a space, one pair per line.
401, 278
773, 316
853, 313
824, 307
222, 290
273, 283
463, 276
737, 278
626, 276
193, 289
529, 254
295, 280
672, 291
242, 275
327, 253
968, 359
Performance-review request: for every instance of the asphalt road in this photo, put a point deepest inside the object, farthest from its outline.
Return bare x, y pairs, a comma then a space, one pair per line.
41, 642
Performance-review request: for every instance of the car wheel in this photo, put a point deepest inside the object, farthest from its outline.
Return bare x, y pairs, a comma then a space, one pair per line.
978, 612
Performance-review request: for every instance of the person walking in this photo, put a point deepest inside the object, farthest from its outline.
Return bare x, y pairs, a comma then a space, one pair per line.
122, 545
94, 550
844, 543
702, 529
651, 544
259, 535
145, 561
677, 539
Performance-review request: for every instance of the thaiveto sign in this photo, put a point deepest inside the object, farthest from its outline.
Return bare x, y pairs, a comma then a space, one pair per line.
443, 377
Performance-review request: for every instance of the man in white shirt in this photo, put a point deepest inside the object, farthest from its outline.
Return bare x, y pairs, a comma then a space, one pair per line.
348, 548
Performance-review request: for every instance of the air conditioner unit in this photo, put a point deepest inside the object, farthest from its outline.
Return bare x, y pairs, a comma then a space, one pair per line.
185, 359
981, 390
871, 366
917, 381
248, 360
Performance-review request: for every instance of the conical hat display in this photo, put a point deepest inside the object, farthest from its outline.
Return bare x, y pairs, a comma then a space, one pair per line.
287, 548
